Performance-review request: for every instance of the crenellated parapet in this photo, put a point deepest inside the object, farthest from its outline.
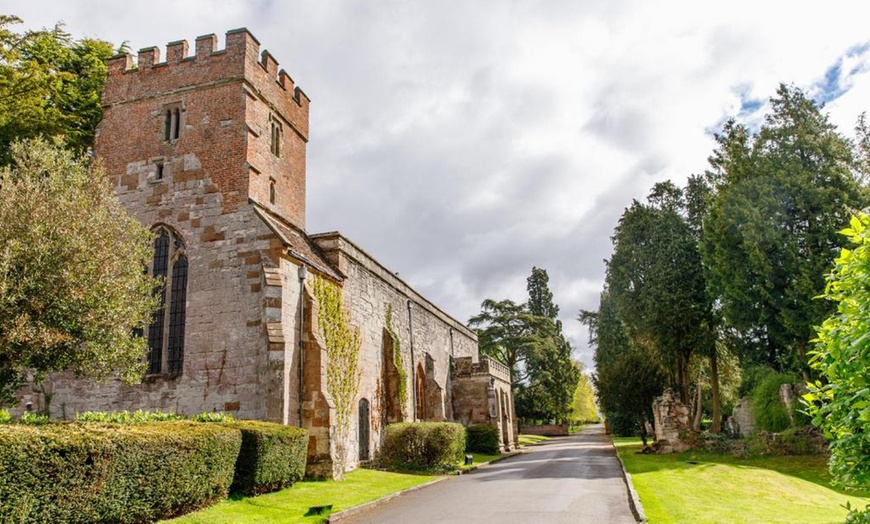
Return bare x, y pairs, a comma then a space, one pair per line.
240, 61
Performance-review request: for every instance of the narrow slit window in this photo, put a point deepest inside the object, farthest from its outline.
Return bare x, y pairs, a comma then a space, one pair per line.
167, 125
158, 171
272, 196
276, 137
176, 123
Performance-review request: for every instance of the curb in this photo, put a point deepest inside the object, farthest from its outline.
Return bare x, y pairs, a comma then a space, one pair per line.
339, 515
633, 499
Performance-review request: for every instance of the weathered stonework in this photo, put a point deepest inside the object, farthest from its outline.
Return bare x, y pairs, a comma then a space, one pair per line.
672, 423
230, 183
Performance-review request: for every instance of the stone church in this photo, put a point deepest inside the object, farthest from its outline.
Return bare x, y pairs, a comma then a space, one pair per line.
208, 150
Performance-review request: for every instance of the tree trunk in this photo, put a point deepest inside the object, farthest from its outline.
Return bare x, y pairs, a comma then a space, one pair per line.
643, 431
696, 424
802, 352
684, 387
714, 385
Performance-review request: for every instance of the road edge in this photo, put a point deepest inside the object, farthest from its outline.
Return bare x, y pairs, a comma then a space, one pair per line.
633, 498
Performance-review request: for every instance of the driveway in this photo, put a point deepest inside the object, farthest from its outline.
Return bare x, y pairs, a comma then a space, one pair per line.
573, 480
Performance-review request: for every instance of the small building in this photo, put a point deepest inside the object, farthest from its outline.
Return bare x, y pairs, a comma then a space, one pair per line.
259, 318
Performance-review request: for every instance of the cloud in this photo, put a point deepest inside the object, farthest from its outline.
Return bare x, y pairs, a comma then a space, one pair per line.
461, 143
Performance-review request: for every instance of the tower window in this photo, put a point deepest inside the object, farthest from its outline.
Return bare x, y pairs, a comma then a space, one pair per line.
166, 331
172, 123
158, 170
277, 136
272, 191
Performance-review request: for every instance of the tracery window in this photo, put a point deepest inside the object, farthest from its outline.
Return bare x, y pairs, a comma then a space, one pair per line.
166, 331
276, 137
171, 123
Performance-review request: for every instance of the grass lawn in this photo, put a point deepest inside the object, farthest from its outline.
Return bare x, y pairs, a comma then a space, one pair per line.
290, 505
525, 440
702, 487
480, 458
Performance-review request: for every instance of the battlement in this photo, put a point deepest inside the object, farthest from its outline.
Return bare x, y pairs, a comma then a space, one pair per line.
240, 59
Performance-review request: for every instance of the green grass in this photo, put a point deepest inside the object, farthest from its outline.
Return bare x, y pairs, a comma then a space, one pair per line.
480, 458
702, 487
525, 440
290, 505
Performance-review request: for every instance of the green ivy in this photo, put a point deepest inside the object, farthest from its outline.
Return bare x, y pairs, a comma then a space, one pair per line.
397, 360
343, 343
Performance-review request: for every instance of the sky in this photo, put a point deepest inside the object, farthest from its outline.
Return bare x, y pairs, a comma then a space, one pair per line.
461, 143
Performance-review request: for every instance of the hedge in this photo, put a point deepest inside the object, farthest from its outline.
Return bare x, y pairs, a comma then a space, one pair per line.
272, 456
483, 438
423, 445
101, 473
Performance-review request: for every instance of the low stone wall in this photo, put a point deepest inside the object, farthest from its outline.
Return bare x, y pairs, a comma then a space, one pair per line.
546, 430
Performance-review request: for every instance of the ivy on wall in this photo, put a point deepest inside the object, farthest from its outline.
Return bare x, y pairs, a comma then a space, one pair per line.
397, 360
343, 343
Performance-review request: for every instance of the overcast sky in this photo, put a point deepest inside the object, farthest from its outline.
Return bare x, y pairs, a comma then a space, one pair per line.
462, 143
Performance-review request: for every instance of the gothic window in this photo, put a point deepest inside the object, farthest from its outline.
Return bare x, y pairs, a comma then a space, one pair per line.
166, 331
276, 136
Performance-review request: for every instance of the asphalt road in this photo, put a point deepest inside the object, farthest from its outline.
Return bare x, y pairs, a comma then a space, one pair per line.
573, 480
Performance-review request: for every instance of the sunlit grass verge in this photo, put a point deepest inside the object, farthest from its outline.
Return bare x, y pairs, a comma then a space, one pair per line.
702, 487
291, 505
525, 440
480, 458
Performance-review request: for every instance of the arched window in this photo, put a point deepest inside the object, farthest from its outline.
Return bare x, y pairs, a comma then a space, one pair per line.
166, 331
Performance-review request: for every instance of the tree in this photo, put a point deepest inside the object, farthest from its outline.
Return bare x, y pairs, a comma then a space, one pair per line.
72, 286
779, 198
841, 404
657, 283
540, 297
583, 408
506, 332
50, 85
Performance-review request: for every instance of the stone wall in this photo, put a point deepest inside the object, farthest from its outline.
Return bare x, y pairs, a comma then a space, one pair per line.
482, 395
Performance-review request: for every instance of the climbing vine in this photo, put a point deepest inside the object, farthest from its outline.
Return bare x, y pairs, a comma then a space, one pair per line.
343, 343
397, 360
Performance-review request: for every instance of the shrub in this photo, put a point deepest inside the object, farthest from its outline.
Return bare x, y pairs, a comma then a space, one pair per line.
272, 456
623, 425
769, 412
423, 445
78, 473
483, 438
213, 416
125, 417
33, 419
5, 417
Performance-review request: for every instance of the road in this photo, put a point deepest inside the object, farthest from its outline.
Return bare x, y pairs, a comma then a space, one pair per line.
573, 480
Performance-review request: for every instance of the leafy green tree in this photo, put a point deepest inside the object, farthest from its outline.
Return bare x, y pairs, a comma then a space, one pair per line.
657, 283
583, 408
540, 297
50, 86
840, 404
779, 197
72, 287
507, 332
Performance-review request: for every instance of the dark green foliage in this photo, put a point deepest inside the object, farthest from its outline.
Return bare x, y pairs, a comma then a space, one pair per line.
272, 456
482, 438
425, 446
780, 196
623, 425
108, 473
769, 412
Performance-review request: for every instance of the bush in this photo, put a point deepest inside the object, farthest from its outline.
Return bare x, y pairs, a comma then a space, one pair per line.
102, 473
623, 425
482, 438
423, 445
272, 456
5, 417
769, 412
213, 416
125, 417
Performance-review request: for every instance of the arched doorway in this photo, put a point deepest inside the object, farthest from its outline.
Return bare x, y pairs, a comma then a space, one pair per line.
364, 430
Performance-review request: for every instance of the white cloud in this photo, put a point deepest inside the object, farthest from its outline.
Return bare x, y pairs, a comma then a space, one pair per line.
463, 142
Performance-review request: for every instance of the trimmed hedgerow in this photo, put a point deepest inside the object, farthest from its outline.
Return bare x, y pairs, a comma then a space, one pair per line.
423, 445
272, 456
482, 438
78, 473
